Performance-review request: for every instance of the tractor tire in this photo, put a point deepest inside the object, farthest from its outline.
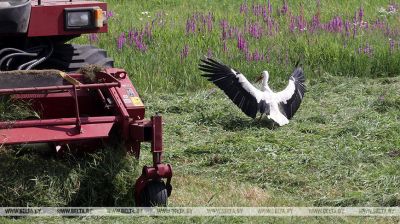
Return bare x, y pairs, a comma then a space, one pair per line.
155, 194
72, 57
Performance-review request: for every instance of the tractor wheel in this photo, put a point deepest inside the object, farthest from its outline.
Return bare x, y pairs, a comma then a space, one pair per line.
155, 194
71, 57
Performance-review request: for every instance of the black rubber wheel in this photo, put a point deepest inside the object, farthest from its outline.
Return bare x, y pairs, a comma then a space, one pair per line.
71, 57
155, 194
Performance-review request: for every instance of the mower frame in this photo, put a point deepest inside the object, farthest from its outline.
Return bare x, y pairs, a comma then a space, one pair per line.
80, 111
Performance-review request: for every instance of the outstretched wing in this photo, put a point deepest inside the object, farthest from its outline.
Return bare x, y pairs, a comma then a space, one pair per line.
290, 98
234, 84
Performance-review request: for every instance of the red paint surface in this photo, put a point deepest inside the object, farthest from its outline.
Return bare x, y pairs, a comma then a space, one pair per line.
60, 121
54, 133
47, 19
57, 107
157, 144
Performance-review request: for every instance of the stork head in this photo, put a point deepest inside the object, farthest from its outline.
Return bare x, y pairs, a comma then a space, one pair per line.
264, 77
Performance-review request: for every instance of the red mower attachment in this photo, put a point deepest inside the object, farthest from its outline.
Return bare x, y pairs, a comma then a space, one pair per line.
84, 109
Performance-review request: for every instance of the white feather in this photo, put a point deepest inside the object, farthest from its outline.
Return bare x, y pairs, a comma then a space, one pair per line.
248, 86
271, 98
287, 93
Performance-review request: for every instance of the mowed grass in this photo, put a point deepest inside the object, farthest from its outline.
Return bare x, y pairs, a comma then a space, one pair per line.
341, 149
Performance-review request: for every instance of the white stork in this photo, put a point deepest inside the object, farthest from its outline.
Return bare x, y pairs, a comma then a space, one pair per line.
278, 106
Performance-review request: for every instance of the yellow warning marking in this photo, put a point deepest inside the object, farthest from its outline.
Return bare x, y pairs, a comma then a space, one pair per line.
69, 78
136, 101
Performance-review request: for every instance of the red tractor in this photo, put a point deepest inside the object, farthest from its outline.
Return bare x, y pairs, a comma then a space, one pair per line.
76, 107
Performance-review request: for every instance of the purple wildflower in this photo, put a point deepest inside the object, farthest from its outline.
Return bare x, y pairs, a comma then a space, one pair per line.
301, 23
388, 30
292, 24
141, 46
364, 25
379, 24
190, 26
93, 38
184, 52
256, 56
241, 43
148, 30
225, 49
284, 8
268, 55
243, 8
136, 38
269, 8
368, 50
257, 10
121, 41
355, 25
233, 32
131, 33
249, 56
210, 22
270, 25
391, 45
276, 28
347, 28
315, 22
199, 22
255, 30
335, 25
360, 14
264, 12
224, 25
109, 14
160, 18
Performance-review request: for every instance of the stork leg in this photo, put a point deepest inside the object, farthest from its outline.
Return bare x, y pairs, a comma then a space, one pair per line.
259, 119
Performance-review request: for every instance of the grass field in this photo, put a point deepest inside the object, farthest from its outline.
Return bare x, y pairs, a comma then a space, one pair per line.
341, 149
161, 43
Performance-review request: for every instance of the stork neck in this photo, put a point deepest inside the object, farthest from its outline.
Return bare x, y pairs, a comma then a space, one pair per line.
265, 86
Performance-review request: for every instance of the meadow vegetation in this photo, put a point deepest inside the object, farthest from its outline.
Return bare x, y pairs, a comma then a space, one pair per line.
160, 43
342, 148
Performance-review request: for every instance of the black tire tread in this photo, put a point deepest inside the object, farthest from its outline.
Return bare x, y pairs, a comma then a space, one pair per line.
72, 57
155, 194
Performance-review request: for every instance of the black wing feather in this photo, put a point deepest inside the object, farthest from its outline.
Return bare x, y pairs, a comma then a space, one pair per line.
293, 104
223, 77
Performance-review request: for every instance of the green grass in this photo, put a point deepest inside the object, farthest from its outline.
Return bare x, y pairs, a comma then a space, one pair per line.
161, 69
341, 149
